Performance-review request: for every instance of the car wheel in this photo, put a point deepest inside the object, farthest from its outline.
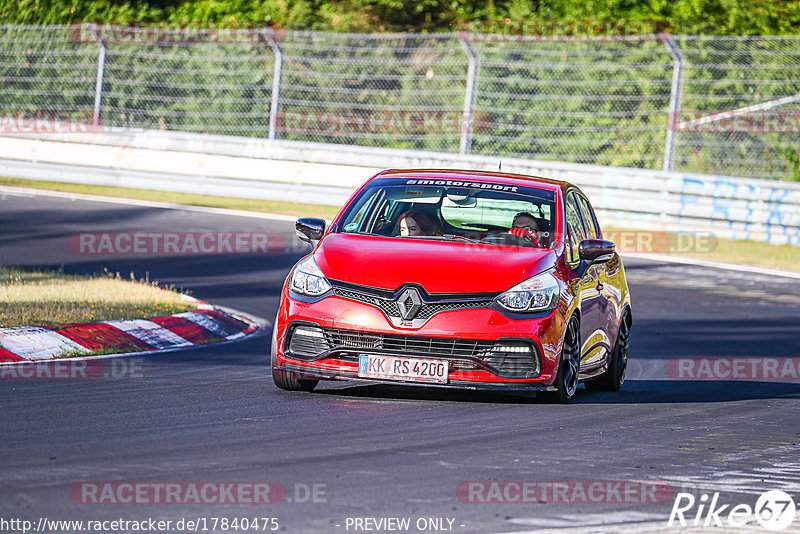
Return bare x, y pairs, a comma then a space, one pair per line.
286, 379
614, 376
570, 364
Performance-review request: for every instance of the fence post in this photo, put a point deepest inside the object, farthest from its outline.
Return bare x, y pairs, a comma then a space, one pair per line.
465, 146
101, 72
673, 120
277, 78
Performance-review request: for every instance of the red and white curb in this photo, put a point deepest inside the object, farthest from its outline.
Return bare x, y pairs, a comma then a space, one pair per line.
206, 324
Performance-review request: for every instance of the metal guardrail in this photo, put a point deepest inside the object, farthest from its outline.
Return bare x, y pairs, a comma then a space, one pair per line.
626, 103
739, 208
177, 183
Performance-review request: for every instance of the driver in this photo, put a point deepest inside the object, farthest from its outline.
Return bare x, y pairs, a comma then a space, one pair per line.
524, 226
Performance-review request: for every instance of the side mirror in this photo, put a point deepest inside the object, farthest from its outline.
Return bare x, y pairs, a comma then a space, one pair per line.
596, 250
309, 229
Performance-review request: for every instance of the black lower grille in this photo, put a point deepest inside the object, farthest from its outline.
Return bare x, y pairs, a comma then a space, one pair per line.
514, 365
308, 342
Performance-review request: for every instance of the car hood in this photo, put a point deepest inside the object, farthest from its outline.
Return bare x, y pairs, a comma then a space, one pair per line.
438, 266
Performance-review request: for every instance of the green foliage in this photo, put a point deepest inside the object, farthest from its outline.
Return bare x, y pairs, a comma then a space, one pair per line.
793, 157
711, 17
585, 102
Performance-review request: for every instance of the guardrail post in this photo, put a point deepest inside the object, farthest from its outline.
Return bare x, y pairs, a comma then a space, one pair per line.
673, 120
467, 119
277, 79
101, 71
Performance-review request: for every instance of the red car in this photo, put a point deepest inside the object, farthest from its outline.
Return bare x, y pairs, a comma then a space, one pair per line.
461, 279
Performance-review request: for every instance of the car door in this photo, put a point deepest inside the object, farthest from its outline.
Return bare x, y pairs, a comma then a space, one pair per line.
606, 310
589, 297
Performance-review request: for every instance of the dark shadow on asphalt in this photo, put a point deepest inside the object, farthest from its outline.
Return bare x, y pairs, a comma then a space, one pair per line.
633, 392
689, 391
636, 264
772, 336
250, 352
388, 391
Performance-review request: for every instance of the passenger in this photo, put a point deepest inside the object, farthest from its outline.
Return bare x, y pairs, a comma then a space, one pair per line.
415, 223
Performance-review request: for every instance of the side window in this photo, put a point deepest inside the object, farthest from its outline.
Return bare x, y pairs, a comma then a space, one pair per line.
363, 213
575, 232
590, 222
381, 224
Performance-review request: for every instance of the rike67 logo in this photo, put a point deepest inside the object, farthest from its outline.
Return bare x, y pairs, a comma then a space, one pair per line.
774, 510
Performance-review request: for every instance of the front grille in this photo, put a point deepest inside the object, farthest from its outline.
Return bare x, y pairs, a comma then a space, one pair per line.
389, 307
354, 340
427, 310
385, 302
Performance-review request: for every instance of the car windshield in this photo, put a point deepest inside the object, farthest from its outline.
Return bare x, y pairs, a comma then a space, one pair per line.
466, 211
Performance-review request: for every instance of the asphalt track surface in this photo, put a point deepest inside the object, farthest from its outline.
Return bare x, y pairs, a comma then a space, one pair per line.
213, 415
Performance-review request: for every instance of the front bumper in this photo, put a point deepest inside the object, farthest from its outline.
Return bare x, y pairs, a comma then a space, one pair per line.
464, 327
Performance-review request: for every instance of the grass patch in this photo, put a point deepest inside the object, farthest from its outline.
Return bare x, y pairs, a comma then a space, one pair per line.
55, 299
296, 209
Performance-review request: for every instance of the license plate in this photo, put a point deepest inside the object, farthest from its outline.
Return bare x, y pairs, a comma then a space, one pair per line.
399, 368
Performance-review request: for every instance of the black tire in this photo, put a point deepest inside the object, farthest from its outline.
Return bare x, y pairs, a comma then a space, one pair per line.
286, 379
614, 376
569, 365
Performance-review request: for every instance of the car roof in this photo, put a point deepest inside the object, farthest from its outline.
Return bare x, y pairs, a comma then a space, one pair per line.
490, 176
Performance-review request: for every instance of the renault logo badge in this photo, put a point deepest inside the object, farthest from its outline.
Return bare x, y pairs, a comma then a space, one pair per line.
409, 303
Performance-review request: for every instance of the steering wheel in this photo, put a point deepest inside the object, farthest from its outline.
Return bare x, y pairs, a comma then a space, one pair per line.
524, 233
518, 237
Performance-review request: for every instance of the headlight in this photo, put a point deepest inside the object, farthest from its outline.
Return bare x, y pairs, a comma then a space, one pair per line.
307, 278
534, 294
